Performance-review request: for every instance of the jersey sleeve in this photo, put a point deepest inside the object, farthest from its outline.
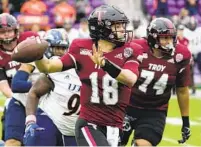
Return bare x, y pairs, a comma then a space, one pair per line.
183, 77
183, 74
2, 74
133, 62
69, 59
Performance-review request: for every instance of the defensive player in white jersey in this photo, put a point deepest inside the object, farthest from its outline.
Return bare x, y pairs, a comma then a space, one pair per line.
15, 114
192, 33
54, 123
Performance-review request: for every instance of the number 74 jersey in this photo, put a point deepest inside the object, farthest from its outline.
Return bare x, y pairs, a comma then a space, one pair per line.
158, 75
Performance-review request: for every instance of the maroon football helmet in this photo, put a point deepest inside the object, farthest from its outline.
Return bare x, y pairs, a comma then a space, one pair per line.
7, 23
161, 27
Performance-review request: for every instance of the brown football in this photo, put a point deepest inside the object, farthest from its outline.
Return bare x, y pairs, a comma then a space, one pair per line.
29, 50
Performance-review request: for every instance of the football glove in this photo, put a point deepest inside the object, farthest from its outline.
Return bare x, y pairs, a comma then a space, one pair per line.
31, 133
186, 132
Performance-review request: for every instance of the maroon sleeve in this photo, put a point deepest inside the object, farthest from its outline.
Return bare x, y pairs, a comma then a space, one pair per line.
183, 77
134, 61
69, 59
132, 66
74, 47
183, 74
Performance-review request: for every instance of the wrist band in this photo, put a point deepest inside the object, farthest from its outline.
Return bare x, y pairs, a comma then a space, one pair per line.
30, 118
111, 68
185, 120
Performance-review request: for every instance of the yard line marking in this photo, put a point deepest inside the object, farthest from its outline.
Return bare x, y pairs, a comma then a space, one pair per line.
178, 121
176, 142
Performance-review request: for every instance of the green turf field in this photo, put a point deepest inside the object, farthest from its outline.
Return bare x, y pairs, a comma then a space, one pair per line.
173, 127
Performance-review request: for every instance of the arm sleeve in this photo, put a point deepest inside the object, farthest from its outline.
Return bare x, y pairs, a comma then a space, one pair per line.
20, 83
69, 60
2, 75
183, 77
132, 65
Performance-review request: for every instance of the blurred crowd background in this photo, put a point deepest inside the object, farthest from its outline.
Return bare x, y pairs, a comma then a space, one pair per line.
41, 15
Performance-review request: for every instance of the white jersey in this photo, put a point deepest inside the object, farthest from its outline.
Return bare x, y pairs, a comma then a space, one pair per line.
63, 103
22, 97
194, 38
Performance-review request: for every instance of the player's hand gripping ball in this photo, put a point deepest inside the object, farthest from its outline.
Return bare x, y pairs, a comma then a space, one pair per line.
29, 50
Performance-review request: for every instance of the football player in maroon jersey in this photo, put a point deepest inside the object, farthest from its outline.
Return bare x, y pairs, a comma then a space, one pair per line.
8, 40
107, 66
164, 65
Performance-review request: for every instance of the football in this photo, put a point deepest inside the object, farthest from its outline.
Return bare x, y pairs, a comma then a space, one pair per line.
29, 50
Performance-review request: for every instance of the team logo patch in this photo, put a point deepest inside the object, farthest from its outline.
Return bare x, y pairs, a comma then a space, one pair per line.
84, 51
128, 52
179, 57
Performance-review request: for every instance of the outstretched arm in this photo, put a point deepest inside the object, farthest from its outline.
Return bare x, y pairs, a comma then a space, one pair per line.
49, 65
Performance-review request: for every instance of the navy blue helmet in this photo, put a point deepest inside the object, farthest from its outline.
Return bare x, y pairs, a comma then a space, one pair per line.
58, 39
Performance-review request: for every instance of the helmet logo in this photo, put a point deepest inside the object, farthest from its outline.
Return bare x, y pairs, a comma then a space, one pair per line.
4, 21
99, 14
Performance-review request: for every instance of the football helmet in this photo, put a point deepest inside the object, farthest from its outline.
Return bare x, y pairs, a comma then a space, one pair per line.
100, 24
56, 38
8, 22
161, 27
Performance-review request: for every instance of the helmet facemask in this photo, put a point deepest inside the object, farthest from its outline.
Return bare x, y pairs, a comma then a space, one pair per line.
8, 42
162, 30
119, 34
167, 50
8, 32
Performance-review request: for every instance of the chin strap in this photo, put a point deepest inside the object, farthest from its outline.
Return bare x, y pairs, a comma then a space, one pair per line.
169, 49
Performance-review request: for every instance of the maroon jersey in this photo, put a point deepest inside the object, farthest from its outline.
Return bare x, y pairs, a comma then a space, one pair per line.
157, 77
103, 99
8, 68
